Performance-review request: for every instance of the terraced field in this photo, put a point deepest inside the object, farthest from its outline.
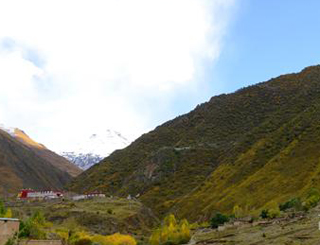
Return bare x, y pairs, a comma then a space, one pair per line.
301, 230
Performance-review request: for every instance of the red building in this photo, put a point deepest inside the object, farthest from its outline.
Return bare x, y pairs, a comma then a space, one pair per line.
32, 194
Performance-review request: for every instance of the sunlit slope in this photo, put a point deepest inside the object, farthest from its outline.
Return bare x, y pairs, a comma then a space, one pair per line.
20, 168
250, 147
43, 152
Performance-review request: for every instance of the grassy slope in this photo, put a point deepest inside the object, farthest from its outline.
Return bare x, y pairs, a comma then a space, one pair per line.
101, 216
248, 148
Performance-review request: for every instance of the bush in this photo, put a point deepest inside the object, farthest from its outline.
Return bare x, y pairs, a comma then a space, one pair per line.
83, 238
264, 214
292, 203
2, 208
218, 219
274, 213
33, 227
270, 213
115, 239
311, 202
5, 212
83, 241
10, 241
237, 211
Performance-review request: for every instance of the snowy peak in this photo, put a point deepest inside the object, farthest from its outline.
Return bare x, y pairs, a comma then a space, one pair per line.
96, 147
103, 143
9, 130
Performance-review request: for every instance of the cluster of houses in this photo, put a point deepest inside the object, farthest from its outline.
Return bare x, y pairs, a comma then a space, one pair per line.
32, 194
29, 194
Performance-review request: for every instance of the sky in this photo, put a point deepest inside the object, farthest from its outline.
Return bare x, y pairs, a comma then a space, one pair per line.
69, 69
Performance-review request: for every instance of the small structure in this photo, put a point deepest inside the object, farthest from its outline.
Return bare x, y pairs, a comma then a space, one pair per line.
31, 194
8, 227
79, 197
89, 195
95, 194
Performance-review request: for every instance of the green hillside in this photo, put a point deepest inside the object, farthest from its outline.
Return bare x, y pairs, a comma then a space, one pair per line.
251, 147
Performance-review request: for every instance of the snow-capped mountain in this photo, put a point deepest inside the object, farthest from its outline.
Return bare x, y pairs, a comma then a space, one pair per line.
9, 130
95, 148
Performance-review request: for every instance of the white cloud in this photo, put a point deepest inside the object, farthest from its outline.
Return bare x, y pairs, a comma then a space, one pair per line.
68, 67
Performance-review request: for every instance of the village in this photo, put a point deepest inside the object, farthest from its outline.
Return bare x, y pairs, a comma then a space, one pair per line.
10, 226
30, 194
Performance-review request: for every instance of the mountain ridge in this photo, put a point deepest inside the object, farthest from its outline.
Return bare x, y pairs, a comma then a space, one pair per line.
219, 154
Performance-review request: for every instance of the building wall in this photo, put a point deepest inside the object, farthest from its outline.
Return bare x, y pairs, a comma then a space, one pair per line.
40, 242
7, 230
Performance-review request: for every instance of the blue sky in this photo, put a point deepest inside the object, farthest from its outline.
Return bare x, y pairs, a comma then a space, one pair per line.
269, 38
265, 39
132, 65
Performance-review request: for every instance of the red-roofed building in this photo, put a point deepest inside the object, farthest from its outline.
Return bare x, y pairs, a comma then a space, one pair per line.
31, 194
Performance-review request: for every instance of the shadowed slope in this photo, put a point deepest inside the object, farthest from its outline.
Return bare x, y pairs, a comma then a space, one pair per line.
56, 160
20, 167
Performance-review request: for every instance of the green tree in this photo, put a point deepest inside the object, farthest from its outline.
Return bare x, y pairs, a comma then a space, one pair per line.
218, 219
264, 214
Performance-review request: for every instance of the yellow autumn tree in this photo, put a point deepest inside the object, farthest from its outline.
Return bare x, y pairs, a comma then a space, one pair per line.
185, 233
155, 237
237, 211
171, 232
8, 213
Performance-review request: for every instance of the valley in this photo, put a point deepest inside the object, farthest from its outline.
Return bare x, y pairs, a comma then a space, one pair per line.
248, 158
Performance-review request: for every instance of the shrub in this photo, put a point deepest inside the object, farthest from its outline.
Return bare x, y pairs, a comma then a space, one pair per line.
237, 211
10, 241
311, 202
264, 214
33, 227
83, 241
274, 213
5, 212
8, 213
2, 208
270, 213
83, 238
115, 239
292, 203
218, 219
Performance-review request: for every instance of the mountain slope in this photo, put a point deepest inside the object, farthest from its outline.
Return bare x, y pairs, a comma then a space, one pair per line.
250, 147
20, 167
95, 148
42, 152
